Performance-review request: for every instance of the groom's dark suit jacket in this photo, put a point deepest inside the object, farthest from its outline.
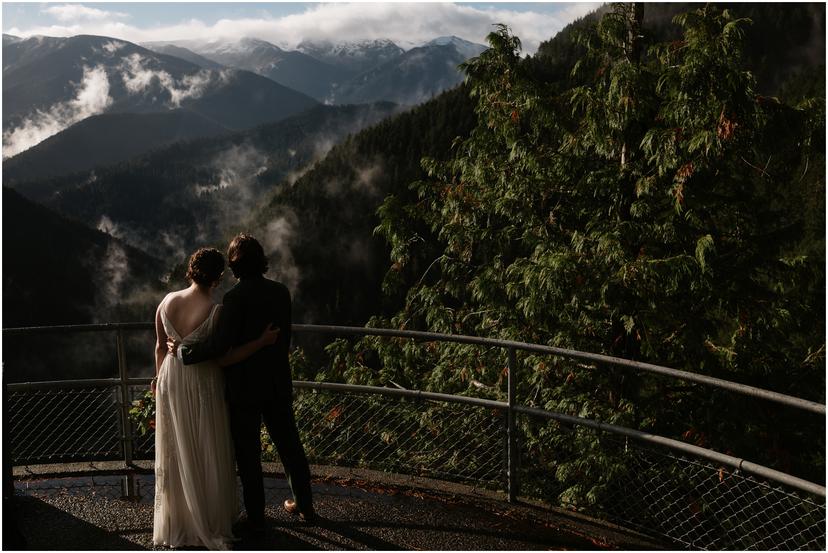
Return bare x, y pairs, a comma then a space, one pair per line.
251, 305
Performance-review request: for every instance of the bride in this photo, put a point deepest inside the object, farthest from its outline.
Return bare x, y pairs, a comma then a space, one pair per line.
196, 499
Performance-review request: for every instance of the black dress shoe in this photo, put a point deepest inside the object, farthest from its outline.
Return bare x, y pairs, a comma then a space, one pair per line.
249, 527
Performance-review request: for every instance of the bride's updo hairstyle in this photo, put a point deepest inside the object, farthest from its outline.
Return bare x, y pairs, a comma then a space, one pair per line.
205, 266
246, 257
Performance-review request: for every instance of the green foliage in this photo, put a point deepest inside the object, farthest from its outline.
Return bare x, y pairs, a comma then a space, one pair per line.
653, 212
142, 413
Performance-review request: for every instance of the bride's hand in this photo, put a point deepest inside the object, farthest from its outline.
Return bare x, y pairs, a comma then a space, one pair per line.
172, 346
269, 335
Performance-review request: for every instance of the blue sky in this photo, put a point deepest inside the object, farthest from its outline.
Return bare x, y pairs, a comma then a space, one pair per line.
288, 23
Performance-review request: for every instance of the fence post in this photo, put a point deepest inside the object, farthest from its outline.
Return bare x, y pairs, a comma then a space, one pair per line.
128, 484
511, 432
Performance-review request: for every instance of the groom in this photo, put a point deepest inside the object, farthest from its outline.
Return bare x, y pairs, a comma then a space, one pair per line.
259, 387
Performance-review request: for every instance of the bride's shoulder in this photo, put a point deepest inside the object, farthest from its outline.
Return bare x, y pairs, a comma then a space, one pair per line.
171, 299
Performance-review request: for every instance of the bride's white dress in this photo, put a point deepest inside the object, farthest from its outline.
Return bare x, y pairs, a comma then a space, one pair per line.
196, 497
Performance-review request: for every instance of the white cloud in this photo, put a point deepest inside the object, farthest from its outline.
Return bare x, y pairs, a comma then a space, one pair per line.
236, 167
76, 12
137, 78
92, 97
113, 46
407, 24
277, 241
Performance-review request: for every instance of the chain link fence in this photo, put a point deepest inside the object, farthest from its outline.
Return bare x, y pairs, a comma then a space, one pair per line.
454, 442
62, 425
104, 486
689, 502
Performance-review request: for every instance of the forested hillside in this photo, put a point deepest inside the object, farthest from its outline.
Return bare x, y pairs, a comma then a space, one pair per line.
58, 271
327, 251
172, 200
106, 139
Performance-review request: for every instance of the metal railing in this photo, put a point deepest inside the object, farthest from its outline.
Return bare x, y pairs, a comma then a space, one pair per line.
689, 495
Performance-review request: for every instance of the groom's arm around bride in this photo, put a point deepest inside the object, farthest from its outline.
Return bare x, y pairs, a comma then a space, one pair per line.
259, 388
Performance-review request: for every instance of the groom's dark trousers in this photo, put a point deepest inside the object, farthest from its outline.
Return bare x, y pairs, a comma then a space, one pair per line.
259, 388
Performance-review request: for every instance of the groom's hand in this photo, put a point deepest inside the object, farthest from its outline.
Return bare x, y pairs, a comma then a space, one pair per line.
270, 335
172, 346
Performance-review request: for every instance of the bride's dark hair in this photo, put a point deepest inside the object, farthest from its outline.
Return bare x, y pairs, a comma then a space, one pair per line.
205, 266
246, 257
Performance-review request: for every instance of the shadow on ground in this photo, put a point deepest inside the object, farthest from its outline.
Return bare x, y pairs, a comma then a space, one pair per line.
352, 515
47, 527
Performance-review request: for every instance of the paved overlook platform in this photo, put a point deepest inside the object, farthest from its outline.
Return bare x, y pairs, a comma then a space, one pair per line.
79, 506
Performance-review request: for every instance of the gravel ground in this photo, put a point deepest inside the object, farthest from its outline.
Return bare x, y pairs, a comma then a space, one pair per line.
72, 513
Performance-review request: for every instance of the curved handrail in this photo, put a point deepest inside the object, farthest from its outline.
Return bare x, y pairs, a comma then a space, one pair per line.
744, 389
645, 437
696, 451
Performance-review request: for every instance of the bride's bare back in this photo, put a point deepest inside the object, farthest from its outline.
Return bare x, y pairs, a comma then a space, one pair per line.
187, 309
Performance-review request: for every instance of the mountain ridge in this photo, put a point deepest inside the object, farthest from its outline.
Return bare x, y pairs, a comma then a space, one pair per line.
51, 83
105, 139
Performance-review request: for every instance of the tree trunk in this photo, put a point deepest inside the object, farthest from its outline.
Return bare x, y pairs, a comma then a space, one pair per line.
635, 19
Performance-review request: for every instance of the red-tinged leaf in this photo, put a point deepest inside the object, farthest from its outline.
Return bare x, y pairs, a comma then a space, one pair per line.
334, 413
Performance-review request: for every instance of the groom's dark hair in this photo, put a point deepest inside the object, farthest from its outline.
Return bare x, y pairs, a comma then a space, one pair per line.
246, 256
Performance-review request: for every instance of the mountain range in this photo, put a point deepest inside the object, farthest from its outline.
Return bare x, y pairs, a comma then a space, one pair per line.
52, 83
289, 68
341, 73
412, 77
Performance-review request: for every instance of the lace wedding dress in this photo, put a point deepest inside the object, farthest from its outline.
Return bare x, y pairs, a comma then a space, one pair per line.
196, 496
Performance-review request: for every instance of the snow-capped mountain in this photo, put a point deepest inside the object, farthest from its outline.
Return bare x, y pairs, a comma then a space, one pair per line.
412, 77
355, 56
354, 71
289, 68
465, 48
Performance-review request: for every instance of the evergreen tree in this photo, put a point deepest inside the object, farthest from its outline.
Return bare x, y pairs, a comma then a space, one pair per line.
653, 213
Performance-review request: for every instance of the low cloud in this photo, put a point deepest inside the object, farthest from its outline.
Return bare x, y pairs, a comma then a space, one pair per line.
236, 167
92, 97
116, 287
125, 233
175, 246
407, 24
113, 46
277, 241
109, 227
114, 270
367, 178
138, 77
